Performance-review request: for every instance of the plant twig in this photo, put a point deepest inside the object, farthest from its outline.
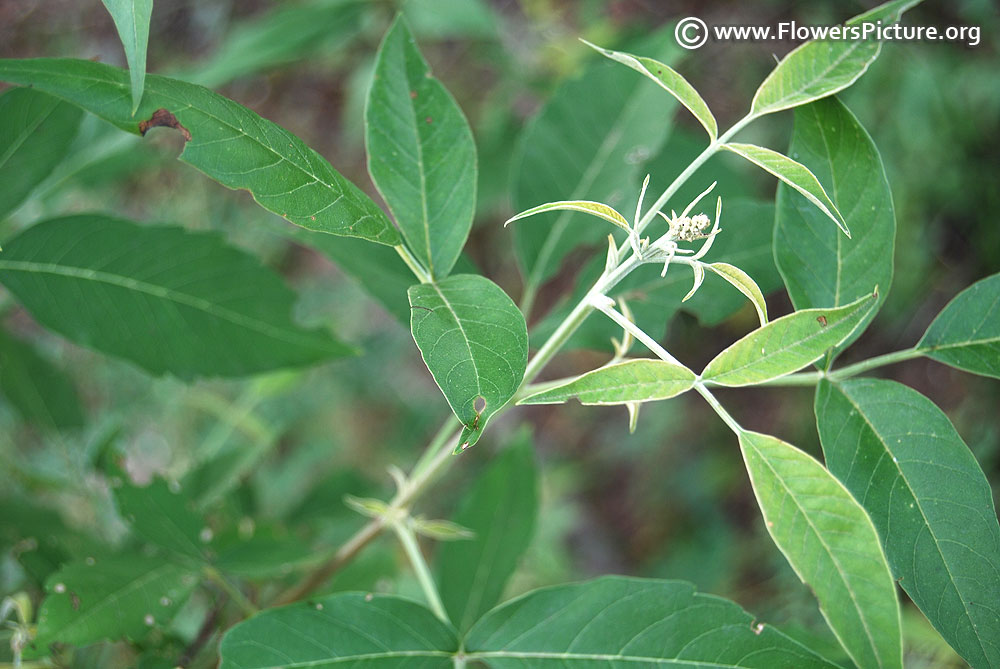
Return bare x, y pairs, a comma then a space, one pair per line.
409, 541
215, 576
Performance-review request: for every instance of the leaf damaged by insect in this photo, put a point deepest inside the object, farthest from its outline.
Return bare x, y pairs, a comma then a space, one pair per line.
163, 118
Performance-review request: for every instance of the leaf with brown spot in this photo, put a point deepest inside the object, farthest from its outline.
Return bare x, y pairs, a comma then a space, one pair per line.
163, 118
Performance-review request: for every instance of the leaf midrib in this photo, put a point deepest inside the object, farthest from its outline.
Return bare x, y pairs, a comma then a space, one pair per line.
27, 132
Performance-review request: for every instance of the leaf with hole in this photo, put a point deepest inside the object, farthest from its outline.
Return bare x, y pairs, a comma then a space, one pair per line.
831, 544
169, 300
620, 383
474, 341
421, 154
902, 459
787, 344
225, 140
966, 334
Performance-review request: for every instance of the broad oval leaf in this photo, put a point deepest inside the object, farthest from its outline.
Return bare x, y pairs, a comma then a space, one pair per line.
131, 19
669, 80
831, 544
474, 341
40, 391
598, 209
162, 516
794, 174
822, 67
111, 598
966, 334
357, 629
630, 381
500, 508
743, 283
819, 266
225, 140
787, 344
421, 154
622, 622
36, 131
169, 300
900, 456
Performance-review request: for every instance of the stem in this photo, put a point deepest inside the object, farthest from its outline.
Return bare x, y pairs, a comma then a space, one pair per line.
719, 409
215, 576
788, 381
639, 334
409, 541
414, 264
877, 361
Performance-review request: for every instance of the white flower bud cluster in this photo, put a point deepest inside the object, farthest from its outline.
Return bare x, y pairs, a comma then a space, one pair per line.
689, 228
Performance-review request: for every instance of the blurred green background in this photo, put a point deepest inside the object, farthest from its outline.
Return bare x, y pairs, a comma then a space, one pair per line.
670, 501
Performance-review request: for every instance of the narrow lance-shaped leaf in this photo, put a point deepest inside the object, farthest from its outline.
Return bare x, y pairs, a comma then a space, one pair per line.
500, 508
669, 80
820, 267
131, 19
900, 456
35, 133
40, 392
361, 629
620, 383
111, 598
822, 67
585, 206
165, 298
786, 344
831, 544
421, 154
794, 174
474, 342
743, 283
966, 334
225, 140
620, 622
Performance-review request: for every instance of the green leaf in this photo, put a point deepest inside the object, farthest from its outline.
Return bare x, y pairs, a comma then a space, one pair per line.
40, 392
36, 131
166, 299
265, 554
131, 19
966, 334
585, 206
162, 516
421, 154
787, 344
621, 622
822, 67
353, 628
118, 597
820, 267
669, 80
451, 19
587, 142
500, 508
900, 456
474, 342
743, 283
228, 142
630, 381
831, 544
794, 174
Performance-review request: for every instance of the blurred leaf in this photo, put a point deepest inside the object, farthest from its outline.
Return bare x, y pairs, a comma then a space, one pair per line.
966, 334
225, 140
441, 530
451, 19
669, 80
500, 508
621, 622
40, 392
822, 67
742, 282
36, 131
630, 381
831, 544
792, 173
167, 299
421, 154
900, 456
162, 516
474, 342
786, 344
365, 630
267, 553
131, 18
820, 267
111, 598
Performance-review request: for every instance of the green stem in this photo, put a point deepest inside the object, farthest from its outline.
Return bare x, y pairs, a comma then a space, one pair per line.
414, 264
409, 541
787, 381
215, 576
719, 409
873, 363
